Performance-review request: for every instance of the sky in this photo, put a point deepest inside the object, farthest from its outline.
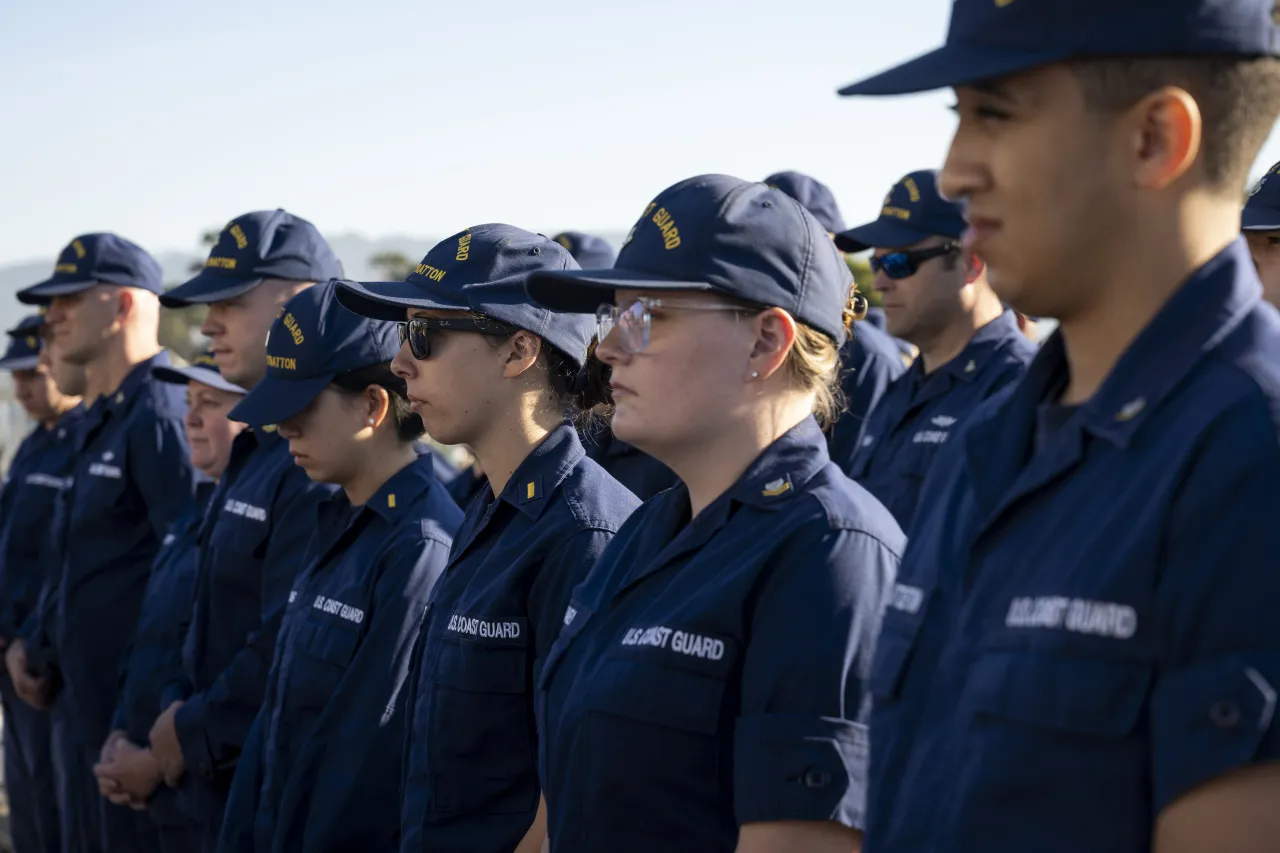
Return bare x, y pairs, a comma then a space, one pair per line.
159, 120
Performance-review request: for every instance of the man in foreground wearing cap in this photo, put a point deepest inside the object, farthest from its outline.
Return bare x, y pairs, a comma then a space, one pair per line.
1260, 222
870, 360
132, 477
1082, 650
936, 297
128, 774
37, 476
643, 475
259, 521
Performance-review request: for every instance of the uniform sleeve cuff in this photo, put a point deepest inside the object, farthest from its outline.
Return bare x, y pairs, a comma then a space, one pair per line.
792, 767
196, 753
1210, 719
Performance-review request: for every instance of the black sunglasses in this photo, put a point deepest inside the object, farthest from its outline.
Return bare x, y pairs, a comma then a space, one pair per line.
417, 331
898, 265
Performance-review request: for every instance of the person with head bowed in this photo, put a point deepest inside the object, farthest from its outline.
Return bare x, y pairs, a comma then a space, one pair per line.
706, 692
486, 367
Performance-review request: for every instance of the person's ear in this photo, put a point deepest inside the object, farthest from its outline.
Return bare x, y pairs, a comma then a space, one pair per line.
775, 332
521, 352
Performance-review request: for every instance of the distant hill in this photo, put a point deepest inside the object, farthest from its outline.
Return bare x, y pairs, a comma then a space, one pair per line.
354, 250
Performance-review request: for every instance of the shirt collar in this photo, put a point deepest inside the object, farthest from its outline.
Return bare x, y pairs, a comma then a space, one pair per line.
1212, 302
779, 473
543, 470
402, 490
137, 378
985, 344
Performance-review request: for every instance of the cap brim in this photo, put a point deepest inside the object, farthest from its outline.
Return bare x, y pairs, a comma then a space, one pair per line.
274, 401
881, 234
390, 300
1259, 219
44, 292
952, 65
203, 375
22, 362
207, 287
583, 291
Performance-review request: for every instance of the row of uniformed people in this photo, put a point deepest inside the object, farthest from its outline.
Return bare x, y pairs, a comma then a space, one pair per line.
690, 698
321, 674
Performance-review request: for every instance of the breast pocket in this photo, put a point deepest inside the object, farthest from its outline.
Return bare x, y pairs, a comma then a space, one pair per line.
323, 650
660, 723
481, 737
1049, 726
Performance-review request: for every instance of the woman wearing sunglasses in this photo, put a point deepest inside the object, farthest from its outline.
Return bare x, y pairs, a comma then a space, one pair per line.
706, 692
321, 768
936, 297
487, 368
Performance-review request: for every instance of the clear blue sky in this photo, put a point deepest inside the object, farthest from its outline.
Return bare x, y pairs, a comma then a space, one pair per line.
158, 119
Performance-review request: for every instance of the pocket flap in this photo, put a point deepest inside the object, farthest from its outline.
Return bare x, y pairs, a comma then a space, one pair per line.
482, 668
1102, 698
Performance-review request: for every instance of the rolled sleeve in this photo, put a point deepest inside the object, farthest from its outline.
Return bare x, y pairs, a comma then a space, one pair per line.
1213, 705
800, 768
800, 747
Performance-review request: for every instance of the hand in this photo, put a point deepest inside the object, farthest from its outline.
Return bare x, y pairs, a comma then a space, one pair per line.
33, 691
131, 777
108, 753
165, 747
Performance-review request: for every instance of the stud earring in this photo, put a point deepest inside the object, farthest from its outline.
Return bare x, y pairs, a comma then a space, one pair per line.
755, 374
370, 421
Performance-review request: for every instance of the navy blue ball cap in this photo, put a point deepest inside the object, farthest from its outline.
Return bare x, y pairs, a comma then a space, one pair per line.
816, 197
23, 352
481, 270
93, 259
994, 38
912, 211
1262, 210
719, 234
312, 341
259, 245
202, 369
591, 252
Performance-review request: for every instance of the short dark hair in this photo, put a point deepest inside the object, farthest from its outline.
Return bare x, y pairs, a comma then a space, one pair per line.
1239, 100
409, 426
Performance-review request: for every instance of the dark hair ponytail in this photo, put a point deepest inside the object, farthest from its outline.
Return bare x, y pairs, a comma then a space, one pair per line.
578, 391
354, 382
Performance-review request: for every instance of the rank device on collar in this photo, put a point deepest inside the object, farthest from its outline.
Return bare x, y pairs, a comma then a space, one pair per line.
93, 259
203, 369
253, 247
912, 211
23, 352
994, 38
312, 341
719, 234
481, 271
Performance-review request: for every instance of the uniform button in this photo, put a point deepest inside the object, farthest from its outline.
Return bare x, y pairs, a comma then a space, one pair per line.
815, 778
1224, 714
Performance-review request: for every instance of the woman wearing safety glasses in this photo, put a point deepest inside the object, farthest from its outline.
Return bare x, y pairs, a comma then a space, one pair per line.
706, 692
488, 368
321, 767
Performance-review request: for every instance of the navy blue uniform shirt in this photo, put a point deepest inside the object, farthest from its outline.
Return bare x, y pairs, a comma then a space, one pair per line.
643, 475
162, 624
869, 363
132, 479
471, 777
323, 768
39, 473
710, 673
253, 544
1085, 632
921, 411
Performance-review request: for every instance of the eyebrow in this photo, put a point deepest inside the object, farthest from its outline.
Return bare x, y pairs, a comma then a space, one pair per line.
994, 88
